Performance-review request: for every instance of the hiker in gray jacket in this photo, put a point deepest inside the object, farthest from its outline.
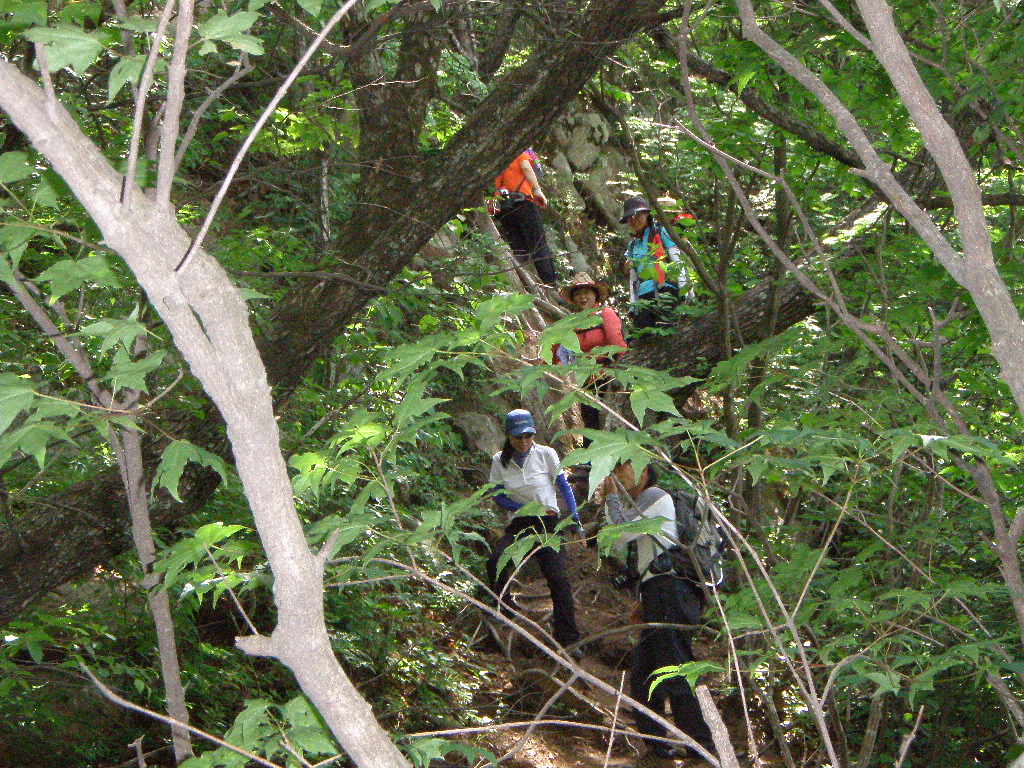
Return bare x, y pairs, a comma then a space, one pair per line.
664, 598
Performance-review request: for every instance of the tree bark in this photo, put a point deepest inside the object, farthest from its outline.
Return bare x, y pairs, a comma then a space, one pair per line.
696, 347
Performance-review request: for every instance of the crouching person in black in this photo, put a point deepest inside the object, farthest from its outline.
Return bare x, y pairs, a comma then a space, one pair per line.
665, 597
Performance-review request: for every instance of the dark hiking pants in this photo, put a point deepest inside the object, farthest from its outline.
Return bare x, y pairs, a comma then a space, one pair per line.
656, 310
606, 390
552, 564
523, 230
675, 601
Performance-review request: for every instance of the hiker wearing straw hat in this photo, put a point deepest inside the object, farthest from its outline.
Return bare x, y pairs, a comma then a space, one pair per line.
586, 294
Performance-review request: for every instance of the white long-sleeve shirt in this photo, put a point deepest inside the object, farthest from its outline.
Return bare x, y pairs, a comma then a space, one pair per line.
651, 503
534, 481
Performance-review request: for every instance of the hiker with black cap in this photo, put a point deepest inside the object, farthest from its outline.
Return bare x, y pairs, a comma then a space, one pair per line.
656, 274
518, 217
586, 294
666, 598
523, 472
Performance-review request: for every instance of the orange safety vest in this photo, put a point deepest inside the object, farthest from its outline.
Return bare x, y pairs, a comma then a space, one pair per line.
513, 179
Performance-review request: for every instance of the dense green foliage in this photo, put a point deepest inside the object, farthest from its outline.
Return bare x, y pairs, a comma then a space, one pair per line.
866, 567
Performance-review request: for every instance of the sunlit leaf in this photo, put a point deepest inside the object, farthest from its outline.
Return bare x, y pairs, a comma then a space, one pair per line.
67, 46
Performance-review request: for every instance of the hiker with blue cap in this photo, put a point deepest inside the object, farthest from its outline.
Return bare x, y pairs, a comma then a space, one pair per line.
523, 472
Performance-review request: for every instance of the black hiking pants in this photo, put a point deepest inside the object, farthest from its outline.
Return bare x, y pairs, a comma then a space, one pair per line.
604, 387
656, 310
674, 601
521, 226
552, 564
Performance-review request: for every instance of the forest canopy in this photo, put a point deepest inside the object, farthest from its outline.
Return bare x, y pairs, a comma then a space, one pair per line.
259, 334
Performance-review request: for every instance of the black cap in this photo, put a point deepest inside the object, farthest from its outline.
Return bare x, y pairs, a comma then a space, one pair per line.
632, 206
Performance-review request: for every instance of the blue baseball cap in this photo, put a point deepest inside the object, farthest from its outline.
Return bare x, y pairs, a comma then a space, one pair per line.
520, 422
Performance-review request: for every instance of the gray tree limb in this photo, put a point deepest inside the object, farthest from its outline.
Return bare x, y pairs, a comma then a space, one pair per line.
208, 321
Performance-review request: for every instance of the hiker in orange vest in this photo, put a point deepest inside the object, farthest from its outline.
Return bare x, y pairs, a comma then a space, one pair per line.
656, 275
518, 217
585, 294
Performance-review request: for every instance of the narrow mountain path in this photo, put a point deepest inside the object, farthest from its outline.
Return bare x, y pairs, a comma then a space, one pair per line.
525, 680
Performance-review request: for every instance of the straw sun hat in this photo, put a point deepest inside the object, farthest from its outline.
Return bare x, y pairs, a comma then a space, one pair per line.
583, 280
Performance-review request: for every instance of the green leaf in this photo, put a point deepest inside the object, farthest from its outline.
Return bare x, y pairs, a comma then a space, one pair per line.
127, 70
887, 681
173, 461
564, 331
246, 43
131, 374
34, 438
211, 533
144, 24
14, 237
312, 741
518, 550
34, 648
46, 409
312, 7
423, 752
221, 26
67, 46
116, 330
643, 400
489, 312
51, 190
606, 450
80, 12
26, 13
14, 166
251, 294
691, 670
743, 79
414, 404
69, 275
368, 434
609, 535
16, 395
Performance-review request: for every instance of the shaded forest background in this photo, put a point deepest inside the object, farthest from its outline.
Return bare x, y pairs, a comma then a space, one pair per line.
263, 409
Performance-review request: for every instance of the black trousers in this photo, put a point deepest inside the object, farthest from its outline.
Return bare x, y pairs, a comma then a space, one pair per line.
656, 310
674, 601
523, 230
591, 414
552, 564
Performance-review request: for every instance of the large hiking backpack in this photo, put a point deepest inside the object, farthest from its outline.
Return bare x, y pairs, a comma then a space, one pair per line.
701, 540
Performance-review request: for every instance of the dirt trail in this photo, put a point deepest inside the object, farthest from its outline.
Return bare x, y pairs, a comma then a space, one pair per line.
525, 679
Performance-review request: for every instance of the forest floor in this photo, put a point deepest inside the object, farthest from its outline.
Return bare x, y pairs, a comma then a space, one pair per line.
525, 680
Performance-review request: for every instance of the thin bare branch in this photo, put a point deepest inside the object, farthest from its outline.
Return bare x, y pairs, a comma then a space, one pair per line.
176, 73
123, 702
242, 68
197, 242
909, 738
141, 94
